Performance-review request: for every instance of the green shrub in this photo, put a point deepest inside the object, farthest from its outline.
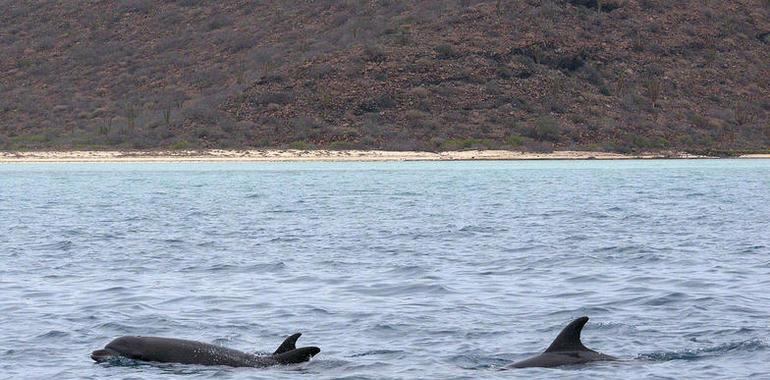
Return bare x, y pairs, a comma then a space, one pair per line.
374, 53
420, 121
341, 145
278, 97
135, 6
219, 21
514, 141
180, 145
653, 88
445, 51
299, 145
375, 104
545, 128
467, 143
649, 142
321, 71
420, 92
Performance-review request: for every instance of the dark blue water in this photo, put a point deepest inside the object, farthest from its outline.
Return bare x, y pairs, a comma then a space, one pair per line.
396, 270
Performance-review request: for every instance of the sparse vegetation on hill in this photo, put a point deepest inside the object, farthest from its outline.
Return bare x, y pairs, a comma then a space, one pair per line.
616, 75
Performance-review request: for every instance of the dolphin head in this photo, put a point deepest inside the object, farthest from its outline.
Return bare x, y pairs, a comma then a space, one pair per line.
104, 355
297, 355
288, 352
125, 346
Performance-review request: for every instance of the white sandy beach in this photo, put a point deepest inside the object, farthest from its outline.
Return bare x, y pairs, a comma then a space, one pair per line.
216, 155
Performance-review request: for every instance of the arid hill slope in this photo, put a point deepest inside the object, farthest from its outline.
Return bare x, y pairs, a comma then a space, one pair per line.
430, 75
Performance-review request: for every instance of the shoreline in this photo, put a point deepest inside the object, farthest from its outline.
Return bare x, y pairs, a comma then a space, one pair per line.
293, 155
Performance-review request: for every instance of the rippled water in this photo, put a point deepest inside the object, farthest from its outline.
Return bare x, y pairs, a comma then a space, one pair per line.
445, 270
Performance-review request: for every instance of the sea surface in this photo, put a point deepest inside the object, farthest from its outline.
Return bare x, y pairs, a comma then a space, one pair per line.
398, 270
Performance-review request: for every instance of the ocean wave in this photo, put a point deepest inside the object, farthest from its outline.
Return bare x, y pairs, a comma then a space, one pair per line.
63, 245
378, 352
53, 334
402, 290
706, 352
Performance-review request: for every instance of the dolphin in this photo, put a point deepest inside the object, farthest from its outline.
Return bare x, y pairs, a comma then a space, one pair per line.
566, 349
170, 350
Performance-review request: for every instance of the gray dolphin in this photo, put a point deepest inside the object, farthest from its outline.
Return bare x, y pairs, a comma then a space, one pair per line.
170, 350
566, 349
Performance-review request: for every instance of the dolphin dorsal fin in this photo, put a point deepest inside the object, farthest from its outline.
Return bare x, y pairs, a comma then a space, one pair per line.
569, 337
288, 344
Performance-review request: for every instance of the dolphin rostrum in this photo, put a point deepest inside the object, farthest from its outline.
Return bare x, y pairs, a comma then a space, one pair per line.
566, 349
170, 350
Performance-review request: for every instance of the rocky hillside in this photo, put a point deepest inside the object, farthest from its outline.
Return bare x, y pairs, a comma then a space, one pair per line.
616, 75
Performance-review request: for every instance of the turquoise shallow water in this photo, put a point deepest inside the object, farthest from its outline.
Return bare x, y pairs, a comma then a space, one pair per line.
445, 270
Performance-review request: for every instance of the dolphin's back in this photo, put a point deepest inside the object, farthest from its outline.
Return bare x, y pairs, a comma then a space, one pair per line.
171, 350
297, 355
566, 349
551, 359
